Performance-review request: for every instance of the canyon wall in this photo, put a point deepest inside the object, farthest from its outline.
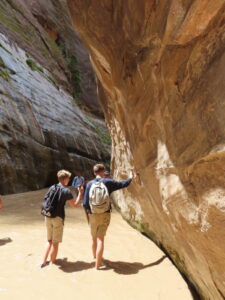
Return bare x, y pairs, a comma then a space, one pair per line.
48, 98
161, 67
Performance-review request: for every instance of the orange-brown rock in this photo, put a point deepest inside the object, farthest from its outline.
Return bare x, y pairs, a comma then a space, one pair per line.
161, 65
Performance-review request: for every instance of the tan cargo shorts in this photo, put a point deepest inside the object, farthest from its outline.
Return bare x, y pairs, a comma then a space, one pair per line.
99, 224
54, 229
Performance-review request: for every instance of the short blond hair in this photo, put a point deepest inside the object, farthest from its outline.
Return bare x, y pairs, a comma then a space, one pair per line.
63, 174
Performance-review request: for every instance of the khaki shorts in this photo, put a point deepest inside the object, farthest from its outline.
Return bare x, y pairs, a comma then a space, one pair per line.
99, 224
54, 229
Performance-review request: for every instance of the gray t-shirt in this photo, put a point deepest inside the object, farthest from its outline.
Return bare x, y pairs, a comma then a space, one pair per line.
65, 194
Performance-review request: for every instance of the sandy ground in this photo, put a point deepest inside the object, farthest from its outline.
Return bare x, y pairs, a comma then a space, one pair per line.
136, 268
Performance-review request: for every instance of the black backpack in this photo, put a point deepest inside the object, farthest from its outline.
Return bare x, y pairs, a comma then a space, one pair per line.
50, 202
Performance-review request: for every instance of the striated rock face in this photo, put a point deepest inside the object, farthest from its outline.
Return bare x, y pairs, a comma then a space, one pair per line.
161, 65
43, 29
42, 126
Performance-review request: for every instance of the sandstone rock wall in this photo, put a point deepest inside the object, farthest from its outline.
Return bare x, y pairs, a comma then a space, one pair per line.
43, 28
42, 126
161, 66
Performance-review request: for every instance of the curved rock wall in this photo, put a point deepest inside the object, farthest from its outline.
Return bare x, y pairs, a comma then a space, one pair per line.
161, 66
42, 126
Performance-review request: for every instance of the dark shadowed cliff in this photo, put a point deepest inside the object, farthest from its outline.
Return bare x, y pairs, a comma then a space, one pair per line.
48, 97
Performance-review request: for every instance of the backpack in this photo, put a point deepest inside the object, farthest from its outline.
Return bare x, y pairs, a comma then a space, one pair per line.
99, 200
49, 204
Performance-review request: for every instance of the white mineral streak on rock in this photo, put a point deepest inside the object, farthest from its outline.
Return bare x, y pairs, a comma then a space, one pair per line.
122, 155
214, 197
171, 188
122, 160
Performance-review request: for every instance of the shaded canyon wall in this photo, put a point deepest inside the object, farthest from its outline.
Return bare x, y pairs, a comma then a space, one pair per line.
161, 65
46, 81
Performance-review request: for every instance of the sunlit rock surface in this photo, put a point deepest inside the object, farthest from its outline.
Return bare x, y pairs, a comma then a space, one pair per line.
42, 125
161, 65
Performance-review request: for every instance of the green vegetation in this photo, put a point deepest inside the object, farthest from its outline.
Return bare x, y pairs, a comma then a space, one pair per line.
141, 227
103, 135
75, 76
5, 75
72, 63
34, 66
54, 49
11, 22
41, 47
2, 64
28, 34
53, 82
49, 49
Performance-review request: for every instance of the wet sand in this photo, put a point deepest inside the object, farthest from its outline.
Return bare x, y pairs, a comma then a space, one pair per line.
136, 268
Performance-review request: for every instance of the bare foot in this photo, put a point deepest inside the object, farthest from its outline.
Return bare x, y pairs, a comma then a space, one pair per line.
44, 264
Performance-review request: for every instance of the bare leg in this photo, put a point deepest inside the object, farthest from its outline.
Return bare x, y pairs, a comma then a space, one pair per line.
54, 252
99, 252
47, 250
94, 246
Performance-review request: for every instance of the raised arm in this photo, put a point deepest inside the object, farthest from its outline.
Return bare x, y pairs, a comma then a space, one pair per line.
114, 185
75, 203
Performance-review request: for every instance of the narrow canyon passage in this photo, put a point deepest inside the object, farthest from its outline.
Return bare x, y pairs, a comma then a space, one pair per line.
135, 267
